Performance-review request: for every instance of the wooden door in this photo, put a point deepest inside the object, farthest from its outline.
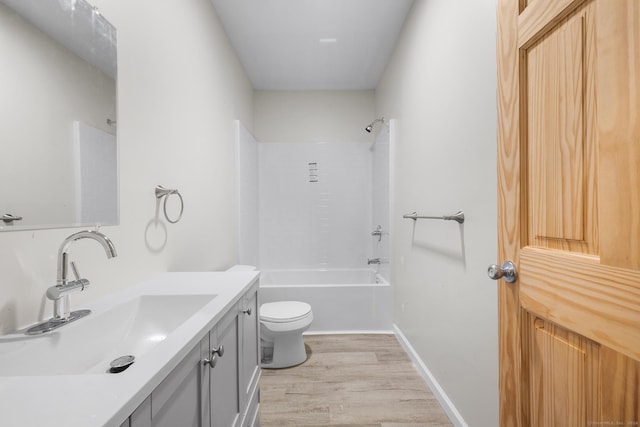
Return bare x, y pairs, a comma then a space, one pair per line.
569, 211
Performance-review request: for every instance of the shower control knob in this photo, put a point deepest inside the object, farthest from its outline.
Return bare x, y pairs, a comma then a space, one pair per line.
507, 271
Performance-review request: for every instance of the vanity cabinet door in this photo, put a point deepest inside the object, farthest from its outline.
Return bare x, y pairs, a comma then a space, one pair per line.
224, 379
141, 417
250, 372
177, 401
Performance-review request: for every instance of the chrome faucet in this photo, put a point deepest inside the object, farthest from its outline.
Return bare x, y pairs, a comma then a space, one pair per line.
63, 252
59, 293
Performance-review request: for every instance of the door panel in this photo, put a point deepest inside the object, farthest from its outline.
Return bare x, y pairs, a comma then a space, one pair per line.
560, 158
599, 302
569, 211
564, 377
619, 123
621, 389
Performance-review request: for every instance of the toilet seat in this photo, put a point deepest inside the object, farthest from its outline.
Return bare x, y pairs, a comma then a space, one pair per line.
284, 311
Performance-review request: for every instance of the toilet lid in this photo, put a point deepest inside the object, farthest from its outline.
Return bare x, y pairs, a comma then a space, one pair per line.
284, 311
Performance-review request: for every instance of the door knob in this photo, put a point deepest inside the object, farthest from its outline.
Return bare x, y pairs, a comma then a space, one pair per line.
506, 271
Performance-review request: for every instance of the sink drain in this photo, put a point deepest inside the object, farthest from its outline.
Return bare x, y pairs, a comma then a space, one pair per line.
121, 363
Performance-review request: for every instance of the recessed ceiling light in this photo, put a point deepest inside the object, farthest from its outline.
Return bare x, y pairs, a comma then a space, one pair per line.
328, 40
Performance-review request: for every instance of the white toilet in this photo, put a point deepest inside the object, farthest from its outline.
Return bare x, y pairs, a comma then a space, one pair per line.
281, 326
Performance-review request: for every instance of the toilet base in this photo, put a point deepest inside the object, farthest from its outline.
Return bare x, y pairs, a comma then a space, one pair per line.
288, 350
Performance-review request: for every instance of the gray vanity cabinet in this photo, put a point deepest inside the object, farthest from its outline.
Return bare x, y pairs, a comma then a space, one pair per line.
224, 377
250, 369
216, 384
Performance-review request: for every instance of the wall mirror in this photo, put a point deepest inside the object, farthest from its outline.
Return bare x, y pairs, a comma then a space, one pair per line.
58, 158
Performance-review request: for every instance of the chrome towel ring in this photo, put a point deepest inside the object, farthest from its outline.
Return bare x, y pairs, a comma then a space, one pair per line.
166, 192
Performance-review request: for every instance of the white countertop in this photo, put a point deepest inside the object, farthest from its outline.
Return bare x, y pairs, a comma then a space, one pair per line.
108, 399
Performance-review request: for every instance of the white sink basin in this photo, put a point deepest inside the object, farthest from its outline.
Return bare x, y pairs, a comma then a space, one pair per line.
88, 345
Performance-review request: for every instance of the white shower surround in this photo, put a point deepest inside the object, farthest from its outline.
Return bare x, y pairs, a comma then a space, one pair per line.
311, 240
318, 219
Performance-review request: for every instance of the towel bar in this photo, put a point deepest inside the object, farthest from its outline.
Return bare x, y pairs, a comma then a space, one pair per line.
458, 217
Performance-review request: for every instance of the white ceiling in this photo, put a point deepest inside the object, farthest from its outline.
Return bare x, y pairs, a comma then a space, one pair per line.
313, 44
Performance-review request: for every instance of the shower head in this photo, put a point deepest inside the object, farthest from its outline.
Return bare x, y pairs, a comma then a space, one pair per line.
369, 128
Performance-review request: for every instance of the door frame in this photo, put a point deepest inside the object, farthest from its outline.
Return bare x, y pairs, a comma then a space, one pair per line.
509, 370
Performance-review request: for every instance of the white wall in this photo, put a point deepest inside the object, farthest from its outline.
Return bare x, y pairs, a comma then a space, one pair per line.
313, 116
441, 86
180, 87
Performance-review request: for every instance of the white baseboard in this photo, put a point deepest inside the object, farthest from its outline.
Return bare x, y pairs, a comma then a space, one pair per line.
432, 383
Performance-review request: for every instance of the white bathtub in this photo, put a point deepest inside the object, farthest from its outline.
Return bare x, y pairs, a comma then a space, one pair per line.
336, 277
342, 300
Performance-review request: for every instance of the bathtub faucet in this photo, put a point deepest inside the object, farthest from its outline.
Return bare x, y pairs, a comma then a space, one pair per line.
373, 261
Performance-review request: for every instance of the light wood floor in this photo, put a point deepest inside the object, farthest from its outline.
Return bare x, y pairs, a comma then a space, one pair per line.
349, 381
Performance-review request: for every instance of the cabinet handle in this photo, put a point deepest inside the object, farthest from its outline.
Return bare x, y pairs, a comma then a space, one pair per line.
215, 353
211, 362
219, 351
247, 311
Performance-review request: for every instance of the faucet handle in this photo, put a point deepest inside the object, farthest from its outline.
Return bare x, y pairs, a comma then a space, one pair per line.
74, 268
58, 291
